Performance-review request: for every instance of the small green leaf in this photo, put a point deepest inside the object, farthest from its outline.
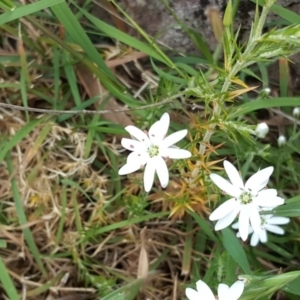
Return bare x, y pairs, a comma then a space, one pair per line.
288, 210
234, 248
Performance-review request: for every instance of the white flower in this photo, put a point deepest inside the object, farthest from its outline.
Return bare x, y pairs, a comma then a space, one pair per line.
151, 149
225, 292
262, 130
296, 112
281, 140
247, 199
268, 223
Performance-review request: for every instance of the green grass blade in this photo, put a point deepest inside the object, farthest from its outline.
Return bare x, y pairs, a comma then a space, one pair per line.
234, 248
24, 131
7, 282
130, 222
123, 37
26, 10
79, 36
288, 210
265, 103
22, 217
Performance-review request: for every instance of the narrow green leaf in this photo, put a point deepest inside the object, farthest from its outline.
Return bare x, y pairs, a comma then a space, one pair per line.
203, 225
130, 222
24, 131
288, 210
3, 244
22, 217
264, 103
79, 36
235, 249
26, 10
112, 32
286, 14
7, 283
293, 287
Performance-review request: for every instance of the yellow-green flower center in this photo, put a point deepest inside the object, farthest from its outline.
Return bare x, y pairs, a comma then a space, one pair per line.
153, 150
246, 198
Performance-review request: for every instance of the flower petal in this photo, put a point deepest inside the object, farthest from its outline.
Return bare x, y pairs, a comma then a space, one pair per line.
138, 134
133, 145
254, 239
223, 289
233, 174
255, 220
236, 290
159, 129
226, 221
278, 220
174, 153
204, 290
137, 158
244, 222
191, 294
224, 209
162, 170
149, 176
235, 225
274, 229
129, 168
269, 202
263, 235
174, 138
265, 196
225, 186
259, 180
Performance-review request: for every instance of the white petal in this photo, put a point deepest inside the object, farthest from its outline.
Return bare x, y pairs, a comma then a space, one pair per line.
192, 294
255, 220
129, 168
265, 196
259, 180
223, 289
226, 221
138, 134
159, 129
174, 138
224, 209
274, 229
137, 158
233, 175
254, 239
162, 170
278, 220
225, 186
236, 290
271, 202
149, 176
263, 236
244, 222
133, 145
235, 225
174, 153
204, 290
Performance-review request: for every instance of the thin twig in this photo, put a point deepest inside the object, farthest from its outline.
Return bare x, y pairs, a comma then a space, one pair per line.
83, 111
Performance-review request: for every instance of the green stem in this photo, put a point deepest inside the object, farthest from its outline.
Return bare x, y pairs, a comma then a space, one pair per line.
238, 66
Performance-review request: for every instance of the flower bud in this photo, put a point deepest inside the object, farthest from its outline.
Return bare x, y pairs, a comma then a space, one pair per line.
262, 130
281, 140
296, 112
264, 93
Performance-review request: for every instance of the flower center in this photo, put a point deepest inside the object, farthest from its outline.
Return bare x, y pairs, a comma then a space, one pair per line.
153, 150
263, 220
246, 198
